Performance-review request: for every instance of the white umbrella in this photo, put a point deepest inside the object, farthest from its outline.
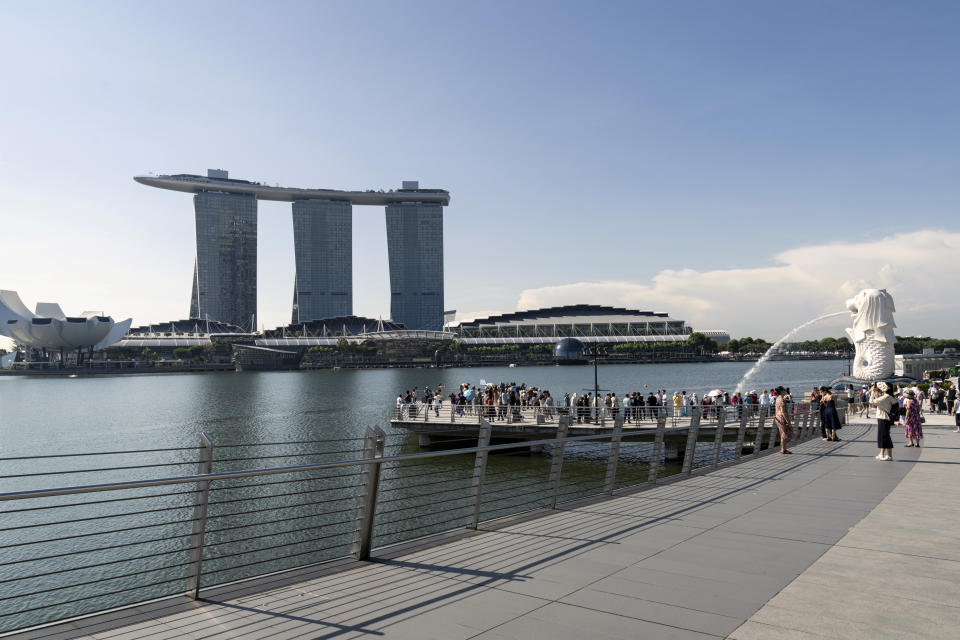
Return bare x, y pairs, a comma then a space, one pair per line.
715, 393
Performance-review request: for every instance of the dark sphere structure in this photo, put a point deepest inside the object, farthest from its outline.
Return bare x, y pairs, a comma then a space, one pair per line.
569, 351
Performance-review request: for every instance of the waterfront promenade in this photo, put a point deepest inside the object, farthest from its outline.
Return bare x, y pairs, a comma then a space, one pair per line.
828, 542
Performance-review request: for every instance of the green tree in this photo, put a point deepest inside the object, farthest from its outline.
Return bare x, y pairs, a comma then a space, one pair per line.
699, 342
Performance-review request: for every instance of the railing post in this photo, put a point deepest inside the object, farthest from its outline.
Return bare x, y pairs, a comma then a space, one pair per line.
479, 472
204, 467
803, 431
758, 439
775, 433
367, 499
741, 435
657, 451
610, 482
718, 438
692, 432
556, 463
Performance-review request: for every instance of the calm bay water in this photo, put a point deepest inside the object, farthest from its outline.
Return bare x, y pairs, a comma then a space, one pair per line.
67, 415
62, 562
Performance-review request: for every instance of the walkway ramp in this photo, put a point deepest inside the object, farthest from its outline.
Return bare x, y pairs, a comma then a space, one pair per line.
828, 542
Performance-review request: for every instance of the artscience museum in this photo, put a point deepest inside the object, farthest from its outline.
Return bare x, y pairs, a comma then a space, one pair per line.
50, 329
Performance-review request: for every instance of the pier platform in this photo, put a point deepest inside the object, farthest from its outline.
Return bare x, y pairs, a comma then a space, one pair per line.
826, 543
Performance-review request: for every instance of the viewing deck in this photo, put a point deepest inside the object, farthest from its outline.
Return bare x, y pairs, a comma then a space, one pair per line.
828, 542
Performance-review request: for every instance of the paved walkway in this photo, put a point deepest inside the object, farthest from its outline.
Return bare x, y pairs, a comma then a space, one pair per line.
827, 542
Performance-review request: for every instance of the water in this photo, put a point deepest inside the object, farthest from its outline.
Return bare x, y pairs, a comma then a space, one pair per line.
308, 519
776, 345
67, 415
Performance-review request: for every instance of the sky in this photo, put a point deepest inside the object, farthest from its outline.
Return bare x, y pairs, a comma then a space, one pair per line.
740, 165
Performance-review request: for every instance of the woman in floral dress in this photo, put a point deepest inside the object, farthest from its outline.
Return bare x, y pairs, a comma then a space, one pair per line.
914, 422
782, 418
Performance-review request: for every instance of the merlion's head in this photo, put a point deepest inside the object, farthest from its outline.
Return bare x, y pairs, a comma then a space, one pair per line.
872, 311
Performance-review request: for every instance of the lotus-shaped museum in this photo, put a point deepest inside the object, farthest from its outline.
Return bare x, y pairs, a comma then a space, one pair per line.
50, 328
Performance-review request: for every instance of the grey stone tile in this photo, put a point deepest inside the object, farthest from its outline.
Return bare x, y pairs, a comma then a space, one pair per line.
684, 617
565, 622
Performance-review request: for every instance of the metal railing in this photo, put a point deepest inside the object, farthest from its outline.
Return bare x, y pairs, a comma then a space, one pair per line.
72, 550
638, 416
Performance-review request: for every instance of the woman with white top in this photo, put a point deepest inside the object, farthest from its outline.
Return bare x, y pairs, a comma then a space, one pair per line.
956, 413
883, 402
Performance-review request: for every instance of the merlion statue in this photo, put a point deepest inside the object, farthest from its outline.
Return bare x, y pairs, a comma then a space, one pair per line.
872, 334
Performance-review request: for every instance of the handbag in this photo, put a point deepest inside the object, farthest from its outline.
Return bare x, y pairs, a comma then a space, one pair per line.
922, 419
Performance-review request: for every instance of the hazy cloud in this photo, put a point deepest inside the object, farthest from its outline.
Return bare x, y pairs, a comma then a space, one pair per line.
767, 301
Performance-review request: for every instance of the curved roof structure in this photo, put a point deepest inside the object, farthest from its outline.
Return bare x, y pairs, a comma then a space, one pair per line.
50, 328
570, 313
589, 323
190, 183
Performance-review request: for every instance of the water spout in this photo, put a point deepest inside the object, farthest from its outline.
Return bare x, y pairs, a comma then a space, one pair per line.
776, 345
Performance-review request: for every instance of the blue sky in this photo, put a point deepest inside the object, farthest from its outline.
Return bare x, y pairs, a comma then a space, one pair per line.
689, 157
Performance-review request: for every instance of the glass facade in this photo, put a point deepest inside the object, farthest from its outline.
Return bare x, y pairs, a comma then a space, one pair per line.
415, 252
225, 272
323, 247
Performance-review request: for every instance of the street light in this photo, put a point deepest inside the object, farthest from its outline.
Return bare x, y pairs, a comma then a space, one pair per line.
595, 351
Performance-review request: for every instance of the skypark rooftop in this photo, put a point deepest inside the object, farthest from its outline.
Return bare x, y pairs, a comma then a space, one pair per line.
190, 183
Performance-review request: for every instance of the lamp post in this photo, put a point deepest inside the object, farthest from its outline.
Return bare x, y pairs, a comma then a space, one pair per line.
596, 351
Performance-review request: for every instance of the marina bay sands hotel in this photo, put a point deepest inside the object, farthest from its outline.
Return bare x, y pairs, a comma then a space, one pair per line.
225, 269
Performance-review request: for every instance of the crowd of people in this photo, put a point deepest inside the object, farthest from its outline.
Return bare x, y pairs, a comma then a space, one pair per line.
904, 406
509, 401
498, 401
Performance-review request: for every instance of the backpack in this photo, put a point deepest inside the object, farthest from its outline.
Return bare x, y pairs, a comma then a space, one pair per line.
894, 412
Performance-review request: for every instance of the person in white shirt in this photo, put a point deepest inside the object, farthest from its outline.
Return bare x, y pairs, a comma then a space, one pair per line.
883, 402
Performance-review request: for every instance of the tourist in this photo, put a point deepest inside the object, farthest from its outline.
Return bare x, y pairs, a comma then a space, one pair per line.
914, 418
865, 401
652, 406
782, 418
884, 403
676, 404
831, 419
765, 402
934, 398
899, 397
749, 402
956, 413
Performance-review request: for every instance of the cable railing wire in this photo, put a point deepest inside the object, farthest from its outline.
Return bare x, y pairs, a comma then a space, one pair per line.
91, 502
97, 565
292, 555
97, 595
94, 550
265, 484
268, 522
99, 533
282, 495
91, 518
247, 539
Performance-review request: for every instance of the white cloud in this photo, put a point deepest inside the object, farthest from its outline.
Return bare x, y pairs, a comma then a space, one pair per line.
916, 267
